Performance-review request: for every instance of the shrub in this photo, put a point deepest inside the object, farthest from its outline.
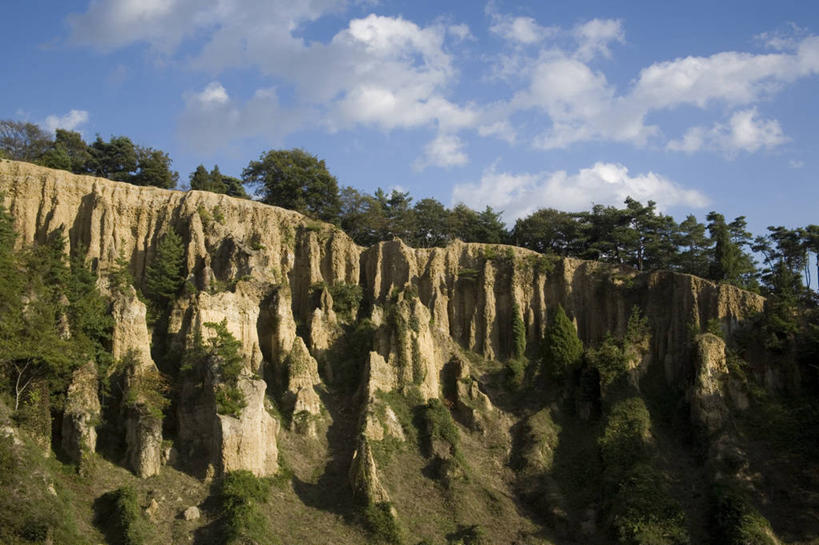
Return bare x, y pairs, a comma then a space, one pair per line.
625, 440
380, 521
735, 521
241, 494
128, 520
518, 333
346, 298
609, 359
437, 424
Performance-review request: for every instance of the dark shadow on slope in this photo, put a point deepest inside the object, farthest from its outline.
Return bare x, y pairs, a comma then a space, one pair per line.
332, 492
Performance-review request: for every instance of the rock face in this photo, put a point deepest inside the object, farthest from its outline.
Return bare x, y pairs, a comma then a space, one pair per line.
82, 413
248, 442
709, 408
266, 272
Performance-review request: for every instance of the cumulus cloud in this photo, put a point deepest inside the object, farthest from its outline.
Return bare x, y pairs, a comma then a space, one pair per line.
446, 150
594, 37
391, 73
518, 195
212, 120
745, 131
69, 121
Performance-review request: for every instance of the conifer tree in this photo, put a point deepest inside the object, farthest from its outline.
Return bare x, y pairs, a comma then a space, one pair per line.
562, 347
164, 276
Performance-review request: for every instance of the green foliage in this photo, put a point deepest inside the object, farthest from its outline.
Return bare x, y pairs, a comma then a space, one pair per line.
609, 359
29, 512
346, 298
626, 437
735, 520
350, 353
165, 274
131, 526
147, 388
120, 277
518, 333
241, 496
562, 349
21, 141
437, 424
296, 180
644, 512
380, 521
225, 349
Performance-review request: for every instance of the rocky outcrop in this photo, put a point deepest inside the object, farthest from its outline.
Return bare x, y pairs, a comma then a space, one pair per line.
249, 441
709, 407
143, 437
266, 272
81, 414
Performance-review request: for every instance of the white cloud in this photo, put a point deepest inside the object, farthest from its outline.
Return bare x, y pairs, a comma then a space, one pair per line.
446, 150
518, 195
212, 120
795, 163
745, 131
786, 37
393, 74
69, 121
594, 37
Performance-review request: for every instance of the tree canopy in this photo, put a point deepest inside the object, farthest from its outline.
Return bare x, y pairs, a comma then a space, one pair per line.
296, 180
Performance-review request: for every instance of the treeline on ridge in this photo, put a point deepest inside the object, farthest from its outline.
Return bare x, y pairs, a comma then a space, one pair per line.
635, 235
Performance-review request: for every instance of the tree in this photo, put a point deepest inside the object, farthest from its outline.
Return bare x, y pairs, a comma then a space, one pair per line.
296, 180
729, 262
22, 141
547, 231
115, 159
562, 348
165, 275
153, 167
69, 152
429, 225
691, 236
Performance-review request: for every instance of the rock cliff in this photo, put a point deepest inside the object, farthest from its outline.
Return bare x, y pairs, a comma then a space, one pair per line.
270, 275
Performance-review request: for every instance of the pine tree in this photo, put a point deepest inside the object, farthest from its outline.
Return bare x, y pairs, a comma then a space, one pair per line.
164, 276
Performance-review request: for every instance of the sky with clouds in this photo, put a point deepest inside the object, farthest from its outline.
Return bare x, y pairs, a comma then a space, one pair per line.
516, 105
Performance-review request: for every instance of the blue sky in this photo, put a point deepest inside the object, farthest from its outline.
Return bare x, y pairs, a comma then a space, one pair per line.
518, 105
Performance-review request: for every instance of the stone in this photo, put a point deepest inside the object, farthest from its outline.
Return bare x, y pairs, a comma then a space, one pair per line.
191, 513
81, 414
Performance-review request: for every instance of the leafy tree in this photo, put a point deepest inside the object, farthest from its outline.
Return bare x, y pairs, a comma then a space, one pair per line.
153, 167
562, 348
361, 216
69, 152
297, 180
21, 141
429, 225
115, 159
165, 275
548, 231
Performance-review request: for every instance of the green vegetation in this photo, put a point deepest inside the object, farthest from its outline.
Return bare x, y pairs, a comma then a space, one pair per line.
165, 275
147, 388
346, 298
562, 348
224, 348
216, 182
29, 513
129, 522
241, 495
379, 520
296, 180
735, 521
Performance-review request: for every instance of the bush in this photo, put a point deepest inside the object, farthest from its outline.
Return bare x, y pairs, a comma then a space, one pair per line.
562, 347
735, 521
626, 438
518, 334
379, 519
241, 494
346, 298
438, 424
130, 523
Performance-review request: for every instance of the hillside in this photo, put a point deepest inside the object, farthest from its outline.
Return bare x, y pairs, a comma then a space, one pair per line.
398, 394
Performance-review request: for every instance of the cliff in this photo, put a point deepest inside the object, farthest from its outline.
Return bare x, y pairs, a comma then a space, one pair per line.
435, 317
